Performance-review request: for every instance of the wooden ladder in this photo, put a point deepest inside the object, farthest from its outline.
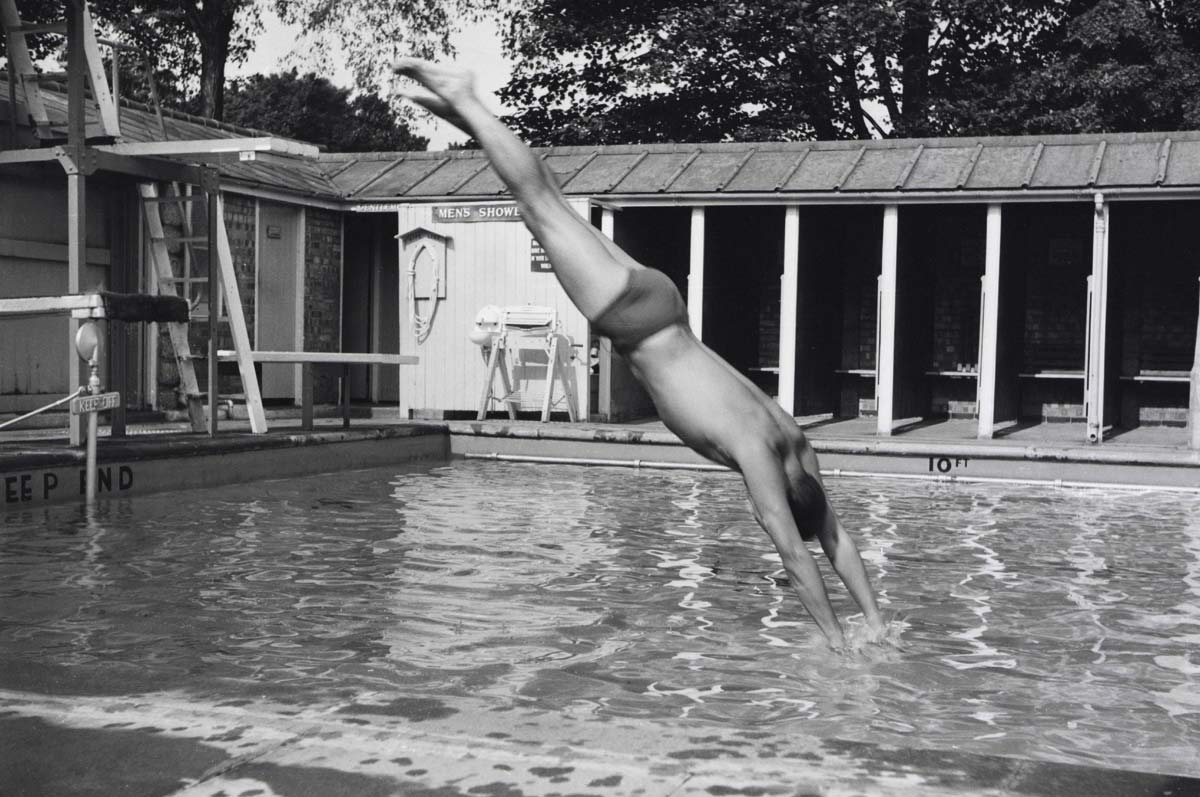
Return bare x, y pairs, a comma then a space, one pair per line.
167, 285
28, 80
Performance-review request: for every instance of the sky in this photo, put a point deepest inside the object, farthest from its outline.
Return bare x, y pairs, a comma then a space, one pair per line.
478, 49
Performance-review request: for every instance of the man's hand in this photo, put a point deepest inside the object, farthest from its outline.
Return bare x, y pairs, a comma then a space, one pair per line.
444, 90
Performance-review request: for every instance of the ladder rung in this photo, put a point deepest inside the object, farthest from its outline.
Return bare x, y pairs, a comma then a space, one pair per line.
183, 280
43, 27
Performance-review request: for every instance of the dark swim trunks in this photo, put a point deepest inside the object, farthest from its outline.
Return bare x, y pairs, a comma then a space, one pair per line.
650, 302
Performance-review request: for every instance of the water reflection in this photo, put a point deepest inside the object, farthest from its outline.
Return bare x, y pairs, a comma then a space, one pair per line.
1038, 623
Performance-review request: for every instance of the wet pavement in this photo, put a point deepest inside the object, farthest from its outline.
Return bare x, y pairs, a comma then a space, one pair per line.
167, 744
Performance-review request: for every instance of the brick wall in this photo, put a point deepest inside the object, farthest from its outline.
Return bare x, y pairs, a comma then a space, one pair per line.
956, 308
322, 292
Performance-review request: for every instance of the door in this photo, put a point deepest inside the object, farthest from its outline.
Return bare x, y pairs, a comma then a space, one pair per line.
386, 315
278, 296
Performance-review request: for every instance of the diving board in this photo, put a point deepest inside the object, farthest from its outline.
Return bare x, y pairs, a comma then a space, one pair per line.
217, 150
133, 307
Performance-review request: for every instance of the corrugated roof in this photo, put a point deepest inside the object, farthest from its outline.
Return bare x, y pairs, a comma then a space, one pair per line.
1000, 167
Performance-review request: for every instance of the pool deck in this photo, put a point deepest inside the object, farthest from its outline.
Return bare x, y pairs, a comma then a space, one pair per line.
169, 743
38, 466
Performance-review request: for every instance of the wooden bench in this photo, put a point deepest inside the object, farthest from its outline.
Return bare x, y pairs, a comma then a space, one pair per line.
311, 359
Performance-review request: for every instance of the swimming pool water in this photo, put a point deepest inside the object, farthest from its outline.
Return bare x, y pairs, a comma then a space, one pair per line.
1057, 625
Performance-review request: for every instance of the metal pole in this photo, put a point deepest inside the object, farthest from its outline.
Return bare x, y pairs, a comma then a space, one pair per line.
76, 188
93, 426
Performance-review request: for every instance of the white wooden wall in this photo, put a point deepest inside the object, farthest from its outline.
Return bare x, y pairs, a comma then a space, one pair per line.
486, 263
36, 351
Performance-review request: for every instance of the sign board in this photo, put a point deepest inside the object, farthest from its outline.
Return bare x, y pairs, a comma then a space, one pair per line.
458, 214
97, 403
538, 259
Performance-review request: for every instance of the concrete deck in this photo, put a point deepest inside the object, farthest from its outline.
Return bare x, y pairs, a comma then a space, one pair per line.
1049, 453
168, 743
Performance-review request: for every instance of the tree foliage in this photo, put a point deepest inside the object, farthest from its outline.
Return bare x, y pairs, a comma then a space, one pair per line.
192, 42
694, 70
1115, 65
369, 34
311, 108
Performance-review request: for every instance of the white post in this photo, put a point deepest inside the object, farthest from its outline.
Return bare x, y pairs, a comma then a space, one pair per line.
1097, 324
1194, 396
989, 328
885, 355
608, 222
789, 285
695, 300
298, 327
604, 394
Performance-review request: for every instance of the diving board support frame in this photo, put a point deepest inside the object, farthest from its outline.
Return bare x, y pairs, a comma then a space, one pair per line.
308, 360
237, 325
885, 324
789, 287
989, 325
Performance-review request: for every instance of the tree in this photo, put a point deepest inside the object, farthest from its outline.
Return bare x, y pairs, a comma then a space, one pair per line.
370, 34
311, 108
1118, 65
193, 41
690, 70
614, 71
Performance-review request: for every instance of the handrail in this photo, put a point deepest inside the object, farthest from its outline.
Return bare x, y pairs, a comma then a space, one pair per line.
80, 392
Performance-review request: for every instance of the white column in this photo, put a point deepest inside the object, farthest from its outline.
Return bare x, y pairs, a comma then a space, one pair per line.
787, 309
885, 353
695, 300
1194, 394
604, 394
989, 326
298, 327
1097, 324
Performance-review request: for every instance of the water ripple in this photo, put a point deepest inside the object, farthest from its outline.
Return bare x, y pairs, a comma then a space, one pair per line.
1047, 624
